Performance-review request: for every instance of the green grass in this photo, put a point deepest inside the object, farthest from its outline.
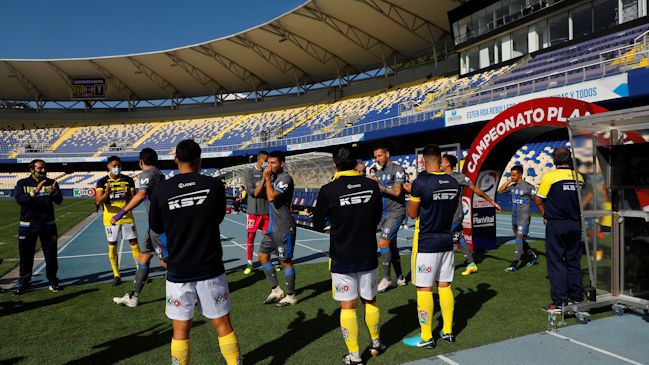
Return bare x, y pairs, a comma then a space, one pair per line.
81, 325
69, 213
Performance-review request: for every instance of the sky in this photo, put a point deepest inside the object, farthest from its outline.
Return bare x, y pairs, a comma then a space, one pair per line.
43, 29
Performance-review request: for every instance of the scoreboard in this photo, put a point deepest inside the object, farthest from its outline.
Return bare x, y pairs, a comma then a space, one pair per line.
89, 88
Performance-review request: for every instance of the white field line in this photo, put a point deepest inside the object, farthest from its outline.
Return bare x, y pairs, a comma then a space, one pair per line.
69, 241
447, 360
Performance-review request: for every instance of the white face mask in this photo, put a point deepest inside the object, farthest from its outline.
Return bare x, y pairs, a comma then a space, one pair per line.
116, 171
264, 165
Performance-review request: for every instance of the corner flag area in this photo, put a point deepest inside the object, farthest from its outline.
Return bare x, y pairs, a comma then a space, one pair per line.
497, 315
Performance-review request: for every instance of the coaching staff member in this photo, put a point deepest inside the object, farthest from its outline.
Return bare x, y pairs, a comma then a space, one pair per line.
354, 205
35, 195
189, 208
558, 202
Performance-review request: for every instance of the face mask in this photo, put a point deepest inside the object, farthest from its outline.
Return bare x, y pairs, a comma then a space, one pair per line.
264, 165
40, 176
373, 174
116, 171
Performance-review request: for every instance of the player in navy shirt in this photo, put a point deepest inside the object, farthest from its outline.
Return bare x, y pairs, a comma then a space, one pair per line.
434, 197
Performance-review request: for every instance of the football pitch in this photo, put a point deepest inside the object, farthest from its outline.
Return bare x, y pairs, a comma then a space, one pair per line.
81, 325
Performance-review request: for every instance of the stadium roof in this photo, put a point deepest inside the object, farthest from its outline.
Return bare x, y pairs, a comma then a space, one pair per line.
318, 41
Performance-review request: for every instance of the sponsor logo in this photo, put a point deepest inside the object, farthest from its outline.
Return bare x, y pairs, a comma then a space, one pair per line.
171, 301
569, 187
145, 181
181, 185
350, 186
443, 181
445, 194
221, 298
281, 185
341, 288
345, 333
424, 269
22, 237
84, 192
175, 360
355, 198
188, 200
519, 201
484, 220
424, 317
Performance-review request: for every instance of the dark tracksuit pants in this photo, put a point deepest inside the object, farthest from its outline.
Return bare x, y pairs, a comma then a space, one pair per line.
27, 236
563, 251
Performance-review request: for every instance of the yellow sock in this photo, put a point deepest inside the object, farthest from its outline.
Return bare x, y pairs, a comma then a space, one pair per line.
425, 312
447, 303
230, 349
136, 253
349, 326
112, 256
372, 320
180, 354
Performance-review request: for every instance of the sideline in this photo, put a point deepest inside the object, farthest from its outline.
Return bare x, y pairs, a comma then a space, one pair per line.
9, 280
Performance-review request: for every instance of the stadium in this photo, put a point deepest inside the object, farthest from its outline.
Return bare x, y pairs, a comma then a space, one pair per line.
497, 83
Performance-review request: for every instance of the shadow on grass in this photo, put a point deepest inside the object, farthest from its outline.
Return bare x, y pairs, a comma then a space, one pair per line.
403, 321
301, 333
247, 281
13, 307
130, 345
11, 361
315, 288
467, 305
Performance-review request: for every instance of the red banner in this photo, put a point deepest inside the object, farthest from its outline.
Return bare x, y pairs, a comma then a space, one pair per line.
537, 112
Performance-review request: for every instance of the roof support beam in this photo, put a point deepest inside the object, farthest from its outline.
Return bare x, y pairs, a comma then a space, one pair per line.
360, 38
119, 84
158, 80
280, 63
315, 51
28, 85
197, 74
404, 18
240, 72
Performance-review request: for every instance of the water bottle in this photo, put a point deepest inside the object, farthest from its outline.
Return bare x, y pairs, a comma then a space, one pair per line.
552, 319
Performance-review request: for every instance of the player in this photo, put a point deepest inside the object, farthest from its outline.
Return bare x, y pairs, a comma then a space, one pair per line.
523, 193
151, 176
390, 178
280, 236
189, 208
114, 191
434, 197
257, 204
449, 162
353, 204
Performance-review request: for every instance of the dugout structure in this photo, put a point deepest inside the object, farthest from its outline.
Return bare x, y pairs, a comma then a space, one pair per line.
611, 150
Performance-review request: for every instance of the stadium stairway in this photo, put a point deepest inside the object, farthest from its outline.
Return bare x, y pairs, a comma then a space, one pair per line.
226, 130
147, 135
302, 121
63, 137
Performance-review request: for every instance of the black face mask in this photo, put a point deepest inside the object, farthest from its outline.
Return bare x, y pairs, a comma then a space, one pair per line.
40, 176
